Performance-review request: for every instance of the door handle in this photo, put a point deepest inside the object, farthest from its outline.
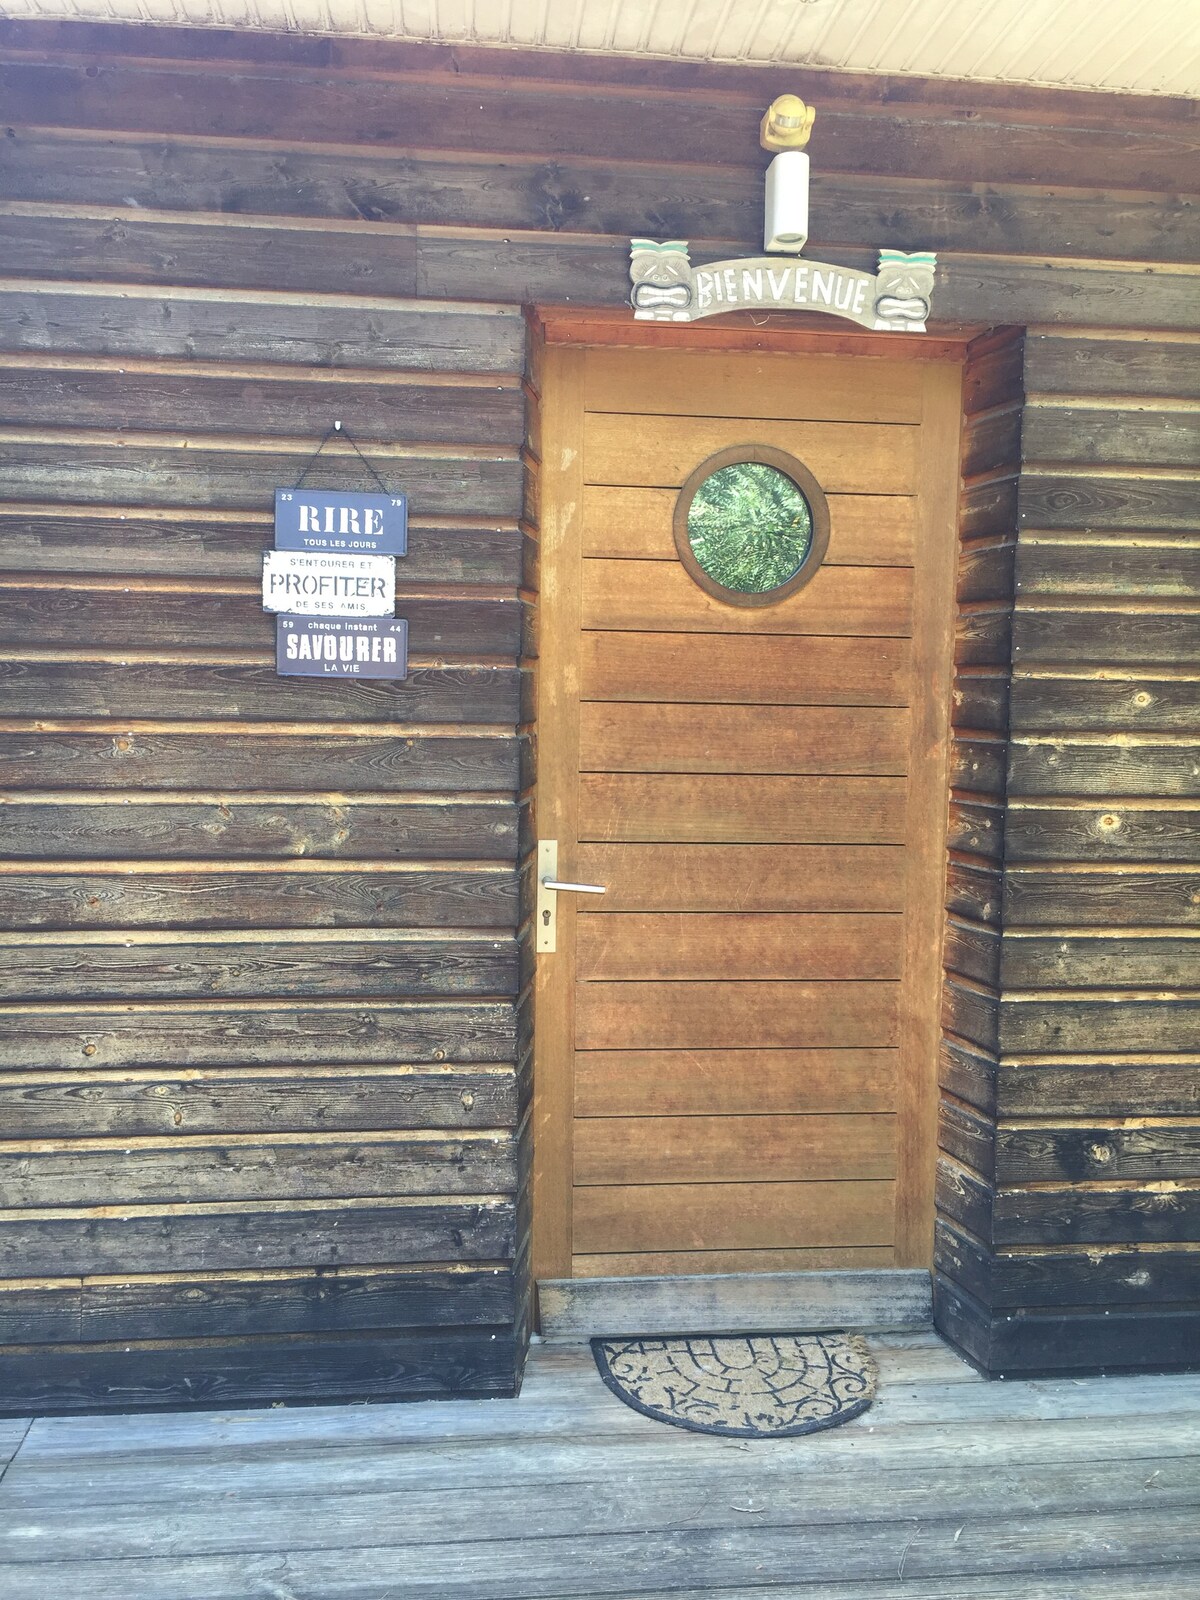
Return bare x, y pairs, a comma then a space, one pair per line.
548, 889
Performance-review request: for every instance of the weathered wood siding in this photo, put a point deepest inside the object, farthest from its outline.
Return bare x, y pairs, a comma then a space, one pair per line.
264, 1051
1070, 1181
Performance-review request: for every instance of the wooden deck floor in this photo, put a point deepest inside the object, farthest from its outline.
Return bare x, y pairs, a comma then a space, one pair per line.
948, 1489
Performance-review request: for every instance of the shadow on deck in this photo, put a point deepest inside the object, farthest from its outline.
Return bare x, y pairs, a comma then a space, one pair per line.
949, 1488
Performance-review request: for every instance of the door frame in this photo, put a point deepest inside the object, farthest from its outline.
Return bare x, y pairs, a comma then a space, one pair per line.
559, 339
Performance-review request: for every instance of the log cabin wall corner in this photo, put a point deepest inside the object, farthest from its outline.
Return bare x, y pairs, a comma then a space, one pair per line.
266, 1032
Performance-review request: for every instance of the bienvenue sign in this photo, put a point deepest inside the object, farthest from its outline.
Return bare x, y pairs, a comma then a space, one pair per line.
356, 524
328, 585
320, 647
667, 288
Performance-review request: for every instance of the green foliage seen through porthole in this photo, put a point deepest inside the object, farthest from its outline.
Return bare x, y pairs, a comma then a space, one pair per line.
750, 527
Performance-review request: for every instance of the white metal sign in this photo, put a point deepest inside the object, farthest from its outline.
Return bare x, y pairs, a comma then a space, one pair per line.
324, 584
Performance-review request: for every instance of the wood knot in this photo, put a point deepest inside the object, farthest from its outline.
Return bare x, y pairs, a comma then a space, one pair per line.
89, 1049
1110, 822
1100, 1153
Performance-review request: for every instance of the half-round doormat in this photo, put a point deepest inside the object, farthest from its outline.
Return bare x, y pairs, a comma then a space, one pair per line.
765, 1386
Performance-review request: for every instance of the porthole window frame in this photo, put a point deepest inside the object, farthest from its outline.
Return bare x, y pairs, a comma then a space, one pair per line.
768, 456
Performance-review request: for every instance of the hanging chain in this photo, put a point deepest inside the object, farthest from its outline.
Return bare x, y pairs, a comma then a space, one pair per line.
333, 428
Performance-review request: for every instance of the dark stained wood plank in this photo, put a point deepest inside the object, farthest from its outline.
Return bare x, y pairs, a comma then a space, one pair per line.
1099, 1021
1134, 700
57, 967
750, 1082
1121, 1275
149, 757
1122, 500
1125, 957
260, 400
983, 636
1103, 1341
363, 1367
991, 440
732, 1015
257, 1167
739, 810
1120, 832
1145, 765
976, 828
1082, 565
244, 1099
1137, 436
972, 949
986, 570
215, 1237
974, 890
761, 669
737, 945
243, 684
216, 470
342, 330
732, 1149
1107, 634
994, 371
1152, 1153
331, 1299
742, 739
214, 1033
1094, 364
1128, 1086
142, 826
199, 895
145, 540
1096, 1215
1129, 896
771, 877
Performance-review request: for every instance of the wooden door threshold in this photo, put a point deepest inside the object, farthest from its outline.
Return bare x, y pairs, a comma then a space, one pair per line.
887, 1299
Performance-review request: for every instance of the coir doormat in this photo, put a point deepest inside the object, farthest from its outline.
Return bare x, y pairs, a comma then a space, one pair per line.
764, 1386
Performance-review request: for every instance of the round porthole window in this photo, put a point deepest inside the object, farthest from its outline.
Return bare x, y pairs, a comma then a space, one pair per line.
751, 525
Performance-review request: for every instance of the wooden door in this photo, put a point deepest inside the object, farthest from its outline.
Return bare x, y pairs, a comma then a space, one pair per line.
735, 1059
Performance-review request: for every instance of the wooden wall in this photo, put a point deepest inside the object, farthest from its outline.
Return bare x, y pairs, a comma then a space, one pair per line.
263, 1055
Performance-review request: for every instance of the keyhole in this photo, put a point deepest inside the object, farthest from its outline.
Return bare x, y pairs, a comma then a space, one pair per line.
545, 919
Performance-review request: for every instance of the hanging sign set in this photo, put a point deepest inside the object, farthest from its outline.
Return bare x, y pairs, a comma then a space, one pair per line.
331, 580
668, 288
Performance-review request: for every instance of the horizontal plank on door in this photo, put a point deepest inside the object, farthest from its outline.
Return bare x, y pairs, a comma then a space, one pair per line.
199, 896
1140, 699
1162, 1151
732, 1216
731, 1149
240, 1235
1107, 635
617, 737
159, 470
146, 540
1167, 567
1138, 435
257, 1167
1124, 897
735, 945
1117, 832
740, 810
271, 1032
296, 758
1065, 959
865, 530
772, 387
765, 1014
1094, 364
259, 399
660, 452
228, 827
1108, 1020
255, 969
162, 687
1110, 768
233, 1305
364, 110
762, 669
762, 877
190, 325
660, 597
679, 1083
156, 612
245, 1099
685, 1263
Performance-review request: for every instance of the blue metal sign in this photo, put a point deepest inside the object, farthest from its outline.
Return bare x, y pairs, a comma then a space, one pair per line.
341, 647
352, 524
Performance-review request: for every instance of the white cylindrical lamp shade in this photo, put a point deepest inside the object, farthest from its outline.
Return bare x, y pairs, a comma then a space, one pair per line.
786, 225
